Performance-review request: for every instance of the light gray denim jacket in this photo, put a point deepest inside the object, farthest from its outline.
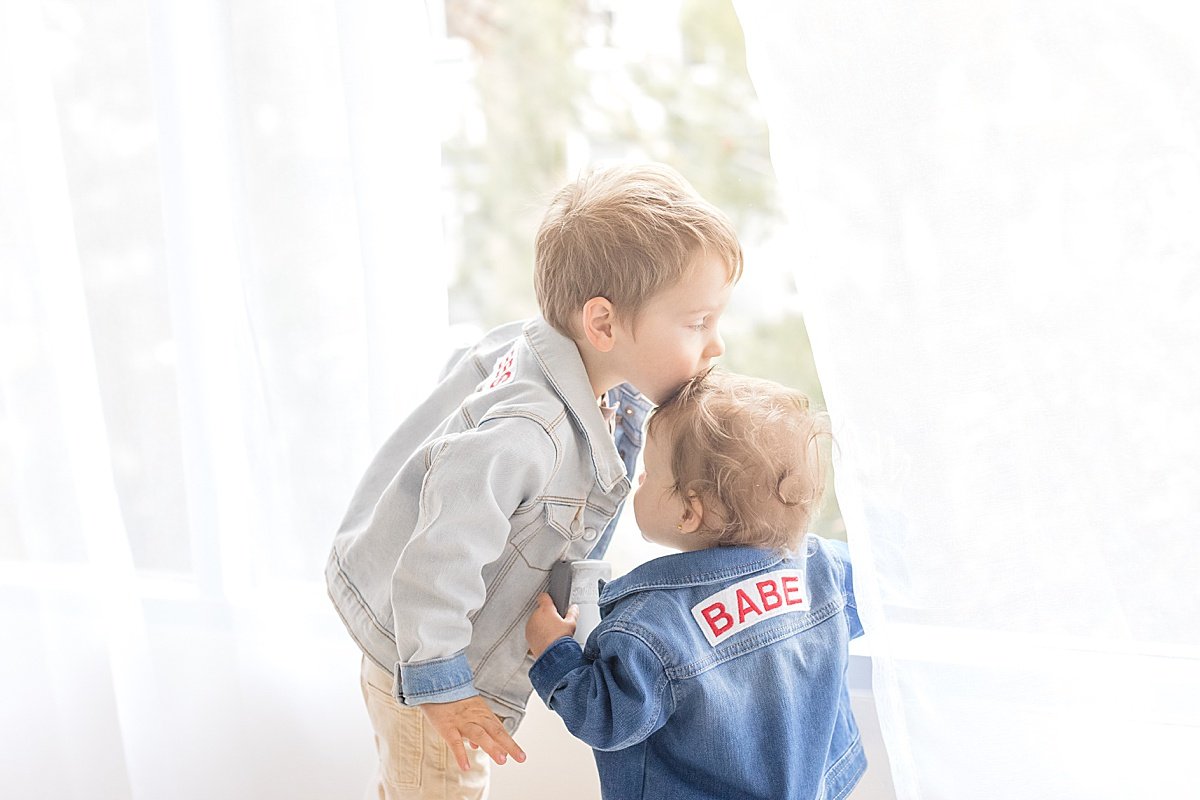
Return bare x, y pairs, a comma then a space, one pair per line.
506, 468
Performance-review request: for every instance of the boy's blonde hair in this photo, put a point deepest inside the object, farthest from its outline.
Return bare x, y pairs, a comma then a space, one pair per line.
624, 233
752, 451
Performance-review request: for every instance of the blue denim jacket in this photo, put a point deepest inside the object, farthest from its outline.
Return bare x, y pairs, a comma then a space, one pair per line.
506, 468
719, 673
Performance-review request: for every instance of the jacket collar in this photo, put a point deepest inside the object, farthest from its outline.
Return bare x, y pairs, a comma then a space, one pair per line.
559, 359
697, 568
633, 407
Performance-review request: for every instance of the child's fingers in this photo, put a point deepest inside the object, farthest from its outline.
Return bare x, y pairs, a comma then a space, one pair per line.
572, 615
480, 739
495, 741
545, 602
460, 754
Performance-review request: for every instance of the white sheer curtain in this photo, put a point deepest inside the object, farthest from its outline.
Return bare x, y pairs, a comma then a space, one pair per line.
221, 281
995, 209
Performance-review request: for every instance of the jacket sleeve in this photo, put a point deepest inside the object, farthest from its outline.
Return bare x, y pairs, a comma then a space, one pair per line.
841, 555
475, 481
611, 702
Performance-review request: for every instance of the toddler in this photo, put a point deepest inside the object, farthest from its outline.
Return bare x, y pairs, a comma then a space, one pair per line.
718, 671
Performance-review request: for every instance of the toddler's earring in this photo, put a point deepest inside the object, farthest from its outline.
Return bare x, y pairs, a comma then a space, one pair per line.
679, 526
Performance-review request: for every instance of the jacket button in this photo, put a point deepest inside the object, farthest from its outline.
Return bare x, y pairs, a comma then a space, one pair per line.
589, 534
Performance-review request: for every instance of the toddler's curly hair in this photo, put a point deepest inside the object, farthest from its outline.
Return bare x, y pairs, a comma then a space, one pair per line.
754, 453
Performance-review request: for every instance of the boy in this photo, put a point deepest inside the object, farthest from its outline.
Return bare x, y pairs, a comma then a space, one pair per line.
521, 457
718, 671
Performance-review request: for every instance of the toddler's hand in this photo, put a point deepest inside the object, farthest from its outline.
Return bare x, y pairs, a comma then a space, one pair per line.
545, 626
471, 719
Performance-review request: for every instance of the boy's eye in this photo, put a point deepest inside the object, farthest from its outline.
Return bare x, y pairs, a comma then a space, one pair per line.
699, 326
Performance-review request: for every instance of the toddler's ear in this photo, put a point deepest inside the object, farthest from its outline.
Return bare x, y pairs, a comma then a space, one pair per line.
598, 319
693, 514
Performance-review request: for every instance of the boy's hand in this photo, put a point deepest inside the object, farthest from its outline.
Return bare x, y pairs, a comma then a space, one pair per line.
545, 626
471, 719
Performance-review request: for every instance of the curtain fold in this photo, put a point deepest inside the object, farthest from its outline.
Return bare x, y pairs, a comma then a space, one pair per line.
221, 272
993, 214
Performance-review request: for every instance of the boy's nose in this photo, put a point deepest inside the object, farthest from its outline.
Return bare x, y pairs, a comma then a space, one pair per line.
716, 347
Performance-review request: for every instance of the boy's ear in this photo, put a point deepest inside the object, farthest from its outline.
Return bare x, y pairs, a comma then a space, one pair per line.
598, 322
693, 514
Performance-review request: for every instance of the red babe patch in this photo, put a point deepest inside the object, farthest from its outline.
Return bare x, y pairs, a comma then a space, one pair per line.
749, 602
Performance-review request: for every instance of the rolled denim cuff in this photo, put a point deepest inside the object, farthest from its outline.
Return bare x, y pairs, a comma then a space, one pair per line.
552, 666
438, 680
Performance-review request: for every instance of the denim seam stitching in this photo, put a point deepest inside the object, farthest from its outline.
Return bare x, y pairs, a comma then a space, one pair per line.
345, 580
438, 686
489, 588
563, 500
648, 726
519, 618
516, 413
702, 579
843, 765
353, 635
554, 383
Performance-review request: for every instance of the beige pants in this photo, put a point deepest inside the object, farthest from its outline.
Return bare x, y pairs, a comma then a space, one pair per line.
415, 763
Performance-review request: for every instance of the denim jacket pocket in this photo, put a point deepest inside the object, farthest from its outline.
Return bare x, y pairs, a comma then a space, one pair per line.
542, 544
566, 518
